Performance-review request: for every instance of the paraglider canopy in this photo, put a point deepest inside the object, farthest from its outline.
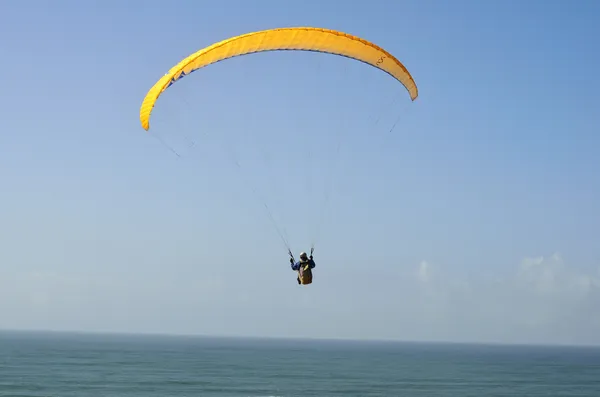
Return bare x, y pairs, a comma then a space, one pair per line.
291, 38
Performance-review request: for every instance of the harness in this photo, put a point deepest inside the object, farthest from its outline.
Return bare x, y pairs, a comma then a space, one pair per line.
305, 273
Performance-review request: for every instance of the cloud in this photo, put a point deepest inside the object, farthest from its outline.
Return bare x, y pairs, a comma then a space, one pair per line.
550, 277
423, 272
47, 300
542, 300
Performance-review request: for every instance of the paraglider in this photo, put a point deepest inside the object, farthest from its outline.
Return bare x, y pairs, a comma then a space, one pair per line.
289, 38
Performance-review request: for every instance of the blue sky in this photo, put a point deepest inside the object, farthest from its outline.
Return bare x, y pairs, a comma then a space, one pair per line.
475, 219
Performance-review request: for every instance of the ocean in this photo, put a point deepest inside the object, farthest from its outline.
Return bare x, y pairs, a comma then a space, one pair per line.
88, 365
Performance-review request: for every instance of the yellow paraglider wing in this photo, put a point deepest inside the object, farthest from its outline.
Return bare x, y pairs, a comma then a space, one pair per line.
298, 38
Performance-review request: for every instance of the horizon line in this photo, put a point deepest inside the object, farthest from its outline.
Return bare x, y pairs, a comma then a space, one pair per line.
296, 338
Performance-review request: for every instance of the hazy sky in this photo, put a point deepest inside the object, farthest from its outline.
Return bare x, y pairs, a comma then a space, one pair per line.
475, 219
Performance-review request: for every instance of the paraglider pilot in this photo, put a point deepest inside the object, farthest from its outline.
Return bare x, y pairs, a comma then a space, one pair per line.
304, 268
